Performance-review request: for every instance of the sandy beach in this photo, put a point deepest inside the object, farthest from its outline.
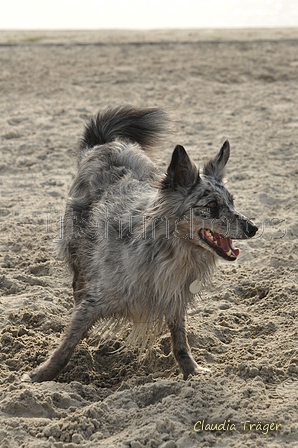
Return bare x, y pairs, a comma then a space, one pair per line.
240, 85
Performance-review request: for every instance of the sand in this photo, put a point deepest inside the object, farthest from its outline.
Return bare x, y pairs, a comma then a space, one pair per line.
216, 85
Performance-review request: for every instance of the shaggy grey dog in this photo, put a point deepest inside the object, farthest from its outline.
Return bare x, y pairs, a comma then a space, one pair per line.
140, 243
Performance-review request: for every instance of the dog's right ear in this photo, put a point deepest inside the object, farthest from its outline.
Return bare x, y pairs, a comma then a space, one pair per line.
182, 172
216, 167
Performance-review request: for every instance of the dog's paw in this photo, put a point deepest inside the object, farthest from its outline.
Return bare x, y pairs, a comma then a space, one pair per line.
32, 377
26, 378
195, 370
45, 372
200, 369
39, 375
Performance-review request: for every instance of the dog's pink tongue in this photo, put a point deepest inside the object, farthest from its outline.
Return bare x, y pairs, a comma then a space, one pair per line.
235, 250
226, 245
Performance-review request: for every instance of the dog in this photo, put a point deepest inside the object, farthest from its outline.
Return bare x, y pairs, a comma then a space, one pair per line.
139, 243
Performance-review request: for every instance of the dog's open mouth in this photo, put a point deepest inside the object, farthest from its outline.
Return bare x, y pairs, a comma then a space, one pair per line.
222, 246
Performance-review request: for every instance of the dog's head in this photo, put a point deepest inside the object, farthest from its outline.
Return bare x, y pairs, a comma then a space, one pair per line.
203, 207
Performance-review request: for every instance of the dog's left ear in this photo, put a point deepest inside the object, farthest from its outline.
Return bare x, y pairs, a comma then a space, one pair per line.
216, 167
182, 172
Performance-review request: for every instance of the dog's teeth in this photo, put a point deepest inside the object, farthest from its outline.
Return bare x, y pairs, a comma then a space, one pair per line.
229, 253
209, 234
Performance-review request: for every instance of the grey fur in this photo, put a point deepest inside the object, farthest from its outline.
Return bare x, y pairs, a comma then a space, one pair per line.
131, 236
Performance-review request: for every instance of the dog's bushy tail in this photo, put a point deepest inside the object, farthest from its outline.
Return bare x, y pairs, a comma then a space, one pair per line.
143, 126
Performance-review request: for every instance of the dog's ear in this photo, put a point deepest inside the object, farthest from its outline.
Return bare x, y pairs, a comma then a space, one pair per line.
182, 172
216, 167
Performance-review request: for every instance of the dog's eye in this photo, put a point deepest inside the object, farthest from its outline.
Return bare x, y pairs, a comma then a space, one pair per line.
212, 204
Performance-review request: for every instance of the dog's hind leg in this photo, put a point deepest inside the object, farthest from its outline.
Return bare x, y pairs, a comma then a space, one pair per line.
85, 315
181, 349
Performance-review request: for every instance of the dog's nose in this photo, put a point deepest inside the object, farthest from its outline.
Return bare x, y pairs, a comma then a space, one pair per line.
251, 229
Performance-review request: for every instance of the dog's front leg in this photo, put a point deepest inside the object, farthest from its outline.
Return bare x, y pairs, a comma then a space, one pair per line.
83, 318
78, 286
181, 349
